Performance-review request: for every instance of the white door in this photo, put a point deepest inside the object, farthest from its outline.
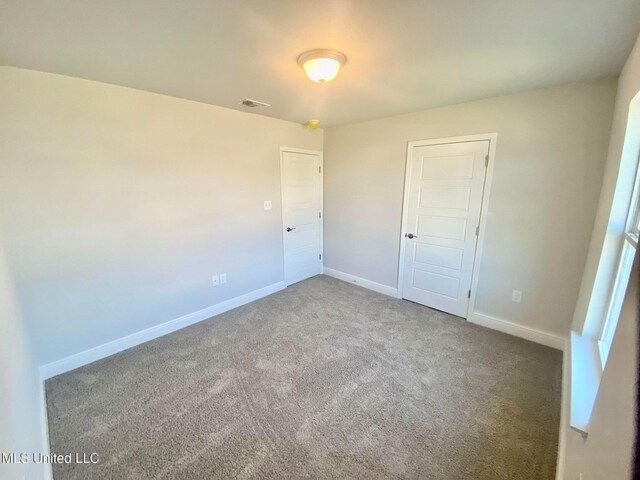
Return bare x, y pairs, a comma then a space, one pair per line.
301, 214
445, 184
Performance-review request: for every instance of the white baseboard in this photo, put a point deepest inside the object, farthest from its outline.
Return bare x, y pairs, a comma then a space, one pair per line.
47, 472
538, 336
505, 326
363, 282
564, 409
101, 351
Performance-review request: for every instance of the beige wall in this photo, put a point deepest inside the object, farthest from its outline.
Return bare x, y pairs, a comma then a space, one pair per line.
21, 392
117, 205
550, 156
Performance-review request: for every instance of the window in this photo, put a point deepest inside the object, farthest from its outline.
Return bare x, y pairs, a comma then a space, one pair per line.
591, 340
623, 271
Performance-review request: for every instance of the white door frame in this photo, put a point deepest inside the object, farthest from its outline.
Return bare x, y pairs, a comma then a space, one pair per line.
493, 139
321, 160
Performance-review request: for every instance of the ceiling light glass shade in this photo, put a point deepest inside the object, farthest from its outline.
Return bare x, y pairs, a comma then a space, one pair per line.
322, 66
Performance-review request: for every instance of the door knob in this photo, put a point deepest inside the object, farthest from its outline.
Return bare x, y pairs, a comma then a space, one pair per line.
289, 229
410, 235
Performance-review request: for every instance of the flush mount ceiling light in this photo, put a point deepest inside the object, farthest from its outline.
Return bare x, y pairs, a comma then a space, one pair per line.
322, 65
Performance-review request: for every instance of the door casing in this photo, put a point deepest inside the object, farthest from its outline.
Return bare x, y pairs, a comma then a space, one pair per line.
493, 139
321, 175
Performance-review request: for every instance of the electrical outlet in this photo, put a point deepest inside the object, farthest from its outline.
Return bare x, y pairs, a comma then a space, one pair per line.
267, 205
516, 296
215, 280
223, 278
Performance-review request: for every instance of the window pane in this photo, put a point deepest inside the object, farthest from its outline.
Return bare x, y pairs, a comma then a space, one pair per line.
617, 298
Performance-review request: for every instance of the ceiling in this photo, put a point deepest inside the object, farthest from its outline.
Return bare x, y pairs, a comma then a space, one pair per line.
403, 55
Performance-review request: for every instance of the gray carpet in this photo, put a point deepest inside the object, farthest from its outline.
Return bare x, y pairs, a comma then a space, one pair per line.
321, 380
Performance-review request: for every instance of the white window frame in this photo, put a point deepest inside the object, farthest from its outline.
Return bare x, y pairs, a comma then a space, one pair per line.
623, 272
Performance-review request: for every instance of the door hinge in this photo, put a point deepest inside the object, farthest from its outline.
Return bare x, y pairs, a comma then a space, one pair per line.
320, 257
319, 214
320, 169
486, 160
469, 294
477, 230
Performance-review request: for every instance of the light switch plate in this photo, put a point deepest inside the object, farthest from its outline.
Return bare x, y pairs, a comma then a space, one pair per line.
267, 205
215, 280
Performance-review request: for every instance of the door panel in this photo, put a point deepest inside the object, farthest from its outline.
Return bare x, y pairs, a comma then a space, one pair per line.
449, 228
301, 207
445, 188
456, 198
446, 166
437, 256
432, 282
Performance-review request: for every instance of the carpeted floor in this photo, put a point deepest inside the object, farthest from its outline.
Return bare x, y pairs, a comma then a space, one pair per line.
321, 380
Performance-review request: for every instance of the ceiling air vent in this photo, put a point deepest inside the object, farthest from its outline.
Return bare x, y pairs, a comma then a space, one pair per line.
247, 102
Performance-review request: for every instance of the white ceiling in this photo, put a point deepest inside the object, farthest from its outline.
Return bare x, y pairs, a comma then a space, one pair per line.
404, 55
